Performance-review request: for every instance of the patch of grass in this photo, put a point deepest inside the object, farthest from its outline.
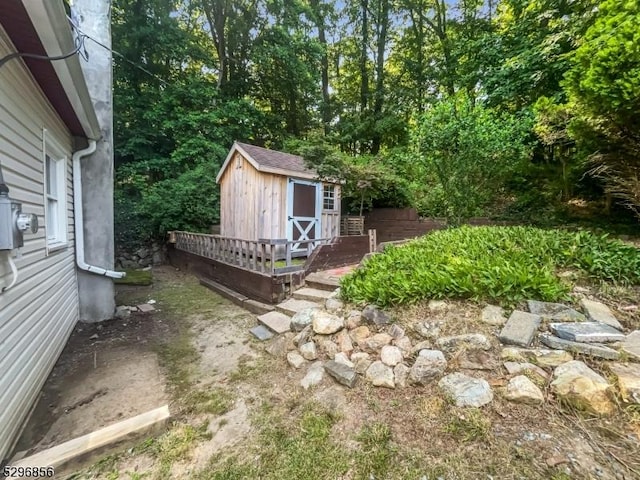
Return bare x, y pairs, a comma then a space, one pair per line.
498, 263
469, 426
175, 445
106, 467
560, 476
374, 458
215, 401
179, 358
288, 450
135, 277
136, 475
431, 406
248, 367
188, 297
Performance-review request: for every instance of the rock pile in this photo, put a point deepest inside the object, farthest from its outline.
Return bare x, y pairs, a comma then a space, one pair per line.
366, 346
570, 332
153, 254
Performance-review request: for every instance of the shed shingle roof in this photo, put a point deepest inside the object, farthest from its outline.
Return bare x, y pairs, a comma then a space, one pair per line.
274, 159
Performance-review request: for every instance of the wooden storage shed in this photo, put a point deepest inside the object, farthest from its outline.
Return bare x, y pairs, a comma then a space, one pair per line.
266, 194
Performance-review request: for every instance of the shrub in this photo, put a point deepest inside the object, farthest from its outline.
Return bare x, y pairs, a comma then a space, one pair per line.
503, 263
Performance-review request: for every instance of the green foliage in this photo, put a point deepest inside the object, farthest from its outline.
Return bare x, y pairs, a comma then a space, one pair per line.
498, 263
189, 202
422, 103
470, 151
603, 86
367, 181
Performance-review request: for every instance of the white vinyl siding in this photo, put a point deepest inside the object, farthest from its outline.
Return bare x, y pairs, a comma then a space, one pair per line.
39, 312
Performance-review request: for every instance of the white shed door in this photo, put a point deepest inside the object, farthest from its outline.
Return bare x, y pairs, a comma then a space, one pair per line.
303, 212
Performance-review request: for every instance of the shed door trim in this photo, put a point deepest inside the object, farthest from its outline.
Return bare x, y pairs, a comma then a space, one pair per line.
303, 227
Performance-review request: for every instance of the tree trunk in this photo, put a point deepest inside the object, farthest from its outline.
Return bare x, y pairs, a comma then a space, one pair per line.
364, 77
216, 12
383, 21
325, 108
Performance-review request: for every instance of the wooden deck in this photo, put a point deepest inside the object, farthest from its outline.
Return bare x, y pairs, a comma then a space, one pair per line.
264, 270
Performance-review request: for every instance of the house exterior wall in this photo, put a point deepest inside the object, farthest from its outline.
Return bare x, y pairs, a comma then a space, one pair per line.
39, 312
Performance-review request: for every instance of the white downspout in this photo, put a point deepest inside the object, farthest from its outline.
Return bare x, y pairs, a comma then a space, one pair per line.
79, 220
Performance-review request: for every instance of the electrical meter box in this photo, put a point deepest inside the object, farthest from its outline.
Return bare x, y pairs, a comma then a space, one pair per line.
13, 223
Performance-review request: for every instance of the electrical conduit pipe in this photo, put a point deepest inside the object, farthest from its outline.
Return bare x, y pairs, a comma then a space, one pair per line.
79, 219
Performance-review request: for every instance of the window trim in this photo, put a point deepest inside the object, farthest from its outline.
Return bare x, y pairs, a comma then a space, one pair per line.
54, 153
333, 197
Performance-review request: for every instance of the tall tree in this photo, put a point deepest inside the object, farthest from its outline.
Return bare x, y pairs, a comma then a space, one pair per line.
382, 25
232, 25
321, 12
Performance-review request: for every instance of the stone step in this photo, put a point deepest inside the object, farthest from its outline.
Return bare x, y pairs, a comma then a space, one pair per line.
520, 329
292, 306
599, 312
276, 321
320, 282
311, 294
595, 350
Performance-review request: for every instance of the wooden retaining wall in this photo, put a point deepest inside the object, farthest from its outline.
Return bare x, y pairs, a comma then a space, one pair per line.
393, 224
342, 251
256, 285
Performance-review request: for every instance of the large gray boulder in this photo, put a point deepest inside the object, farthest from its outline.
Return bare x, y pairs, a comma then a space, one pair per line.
473, 340
374, 316
522, 390
466, 391
302, 319
599, 312
555, 311
429, 366
380, 375
341, 373
326, 323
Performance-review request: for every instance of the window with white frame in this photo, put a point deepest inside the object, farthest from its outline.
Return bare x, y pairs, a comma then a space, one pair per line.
55, 181
329, 197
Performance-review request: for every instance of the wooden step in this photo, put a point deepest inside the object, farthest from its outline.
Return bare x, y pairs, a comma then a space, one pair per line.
253, 306
319, 282
292, 306
312, 294
276, 321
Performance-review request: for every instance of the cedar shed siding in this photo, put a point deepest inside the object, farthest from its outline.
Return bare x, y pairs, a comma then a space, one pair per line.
253, 203
39, 312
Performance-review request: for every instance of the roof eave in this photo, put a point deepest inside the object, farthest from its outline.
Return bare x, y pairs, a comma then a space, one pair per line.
50, 21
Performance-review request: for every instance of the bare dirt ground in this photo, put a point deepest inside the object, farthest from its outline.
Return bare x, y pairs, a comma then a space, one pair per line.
106, 373
119, 368
240, 413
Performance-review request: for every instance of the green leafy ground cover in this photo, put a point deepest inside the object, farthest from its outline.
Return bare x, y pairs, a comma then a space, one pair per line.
501, 263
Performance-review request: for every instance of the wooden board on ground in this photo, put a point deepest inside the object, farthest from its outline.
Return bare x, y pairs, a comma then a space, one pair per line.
80, 448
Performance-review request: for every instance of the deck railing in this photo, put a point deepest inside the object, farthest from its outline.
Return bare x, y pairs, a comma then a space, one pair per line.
271, 256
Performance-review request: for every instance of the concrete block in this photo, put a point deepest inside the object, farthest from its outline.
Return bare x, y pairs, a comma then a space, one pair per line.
599, 312
520, 328
276, 321
597, 351
261, 332
587, 332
